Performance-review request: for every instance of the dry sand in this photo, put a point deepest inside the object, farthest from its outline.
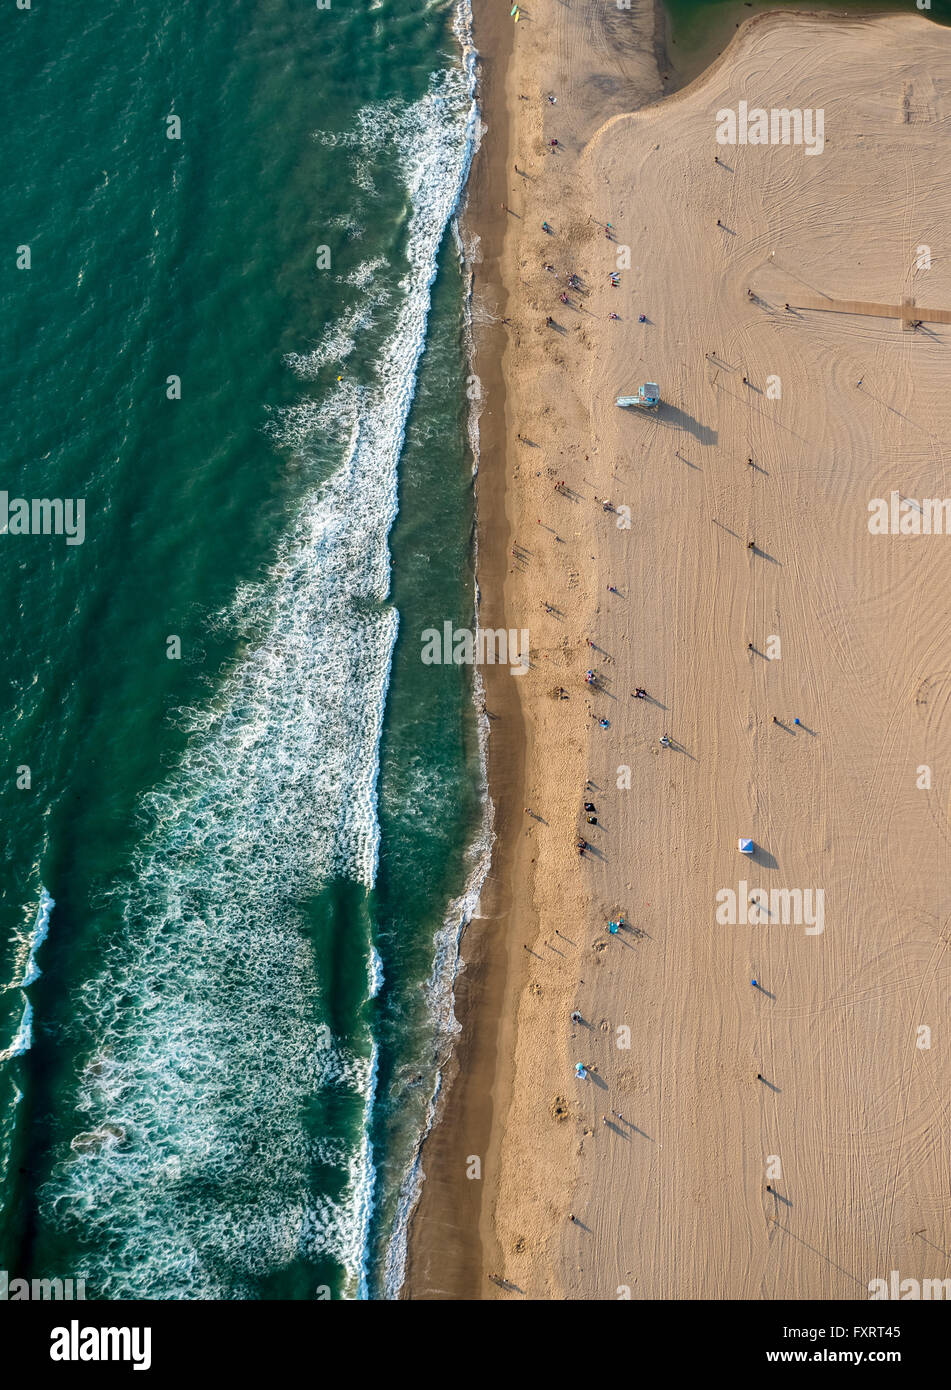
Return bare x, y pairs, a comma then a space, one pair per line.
850, 1125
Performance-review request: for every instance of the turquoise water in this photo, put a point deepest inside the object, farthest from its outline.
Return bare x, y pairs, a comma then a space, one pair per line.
259, 849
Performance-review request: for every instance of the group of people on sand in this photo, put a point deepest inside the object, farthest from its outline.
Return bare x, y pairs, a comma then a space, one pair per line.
572, 281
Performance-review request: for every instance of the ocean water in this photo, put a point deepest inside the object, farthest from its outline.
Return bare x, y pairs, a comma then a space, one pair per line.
241, 821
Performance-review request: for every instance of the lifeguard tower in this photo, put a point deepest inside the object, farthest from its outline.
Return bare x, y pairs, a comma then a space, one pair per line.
647, 398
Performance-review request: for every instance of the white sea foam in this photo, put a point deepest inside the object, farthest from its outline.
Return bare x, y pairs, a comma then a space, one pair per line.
26, 946
40, 931
338, 341
193, 1177
375, 972
23, 1040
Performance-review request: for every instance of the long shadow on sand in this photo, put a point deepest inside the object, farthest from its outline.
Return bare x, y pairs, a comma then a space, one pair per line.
678, 419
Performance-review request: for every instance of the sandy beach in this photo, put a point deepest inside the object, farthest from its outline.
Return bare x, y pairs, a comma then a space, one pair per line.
788, 1138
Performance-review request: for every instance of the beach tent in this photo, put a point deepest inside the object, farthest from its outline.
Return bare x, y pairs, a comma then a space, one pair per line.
746, 846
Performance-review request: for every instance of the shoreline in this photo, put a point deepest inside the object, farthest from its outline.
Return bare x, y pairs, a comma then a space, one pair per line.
451, 1243
444, 1256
